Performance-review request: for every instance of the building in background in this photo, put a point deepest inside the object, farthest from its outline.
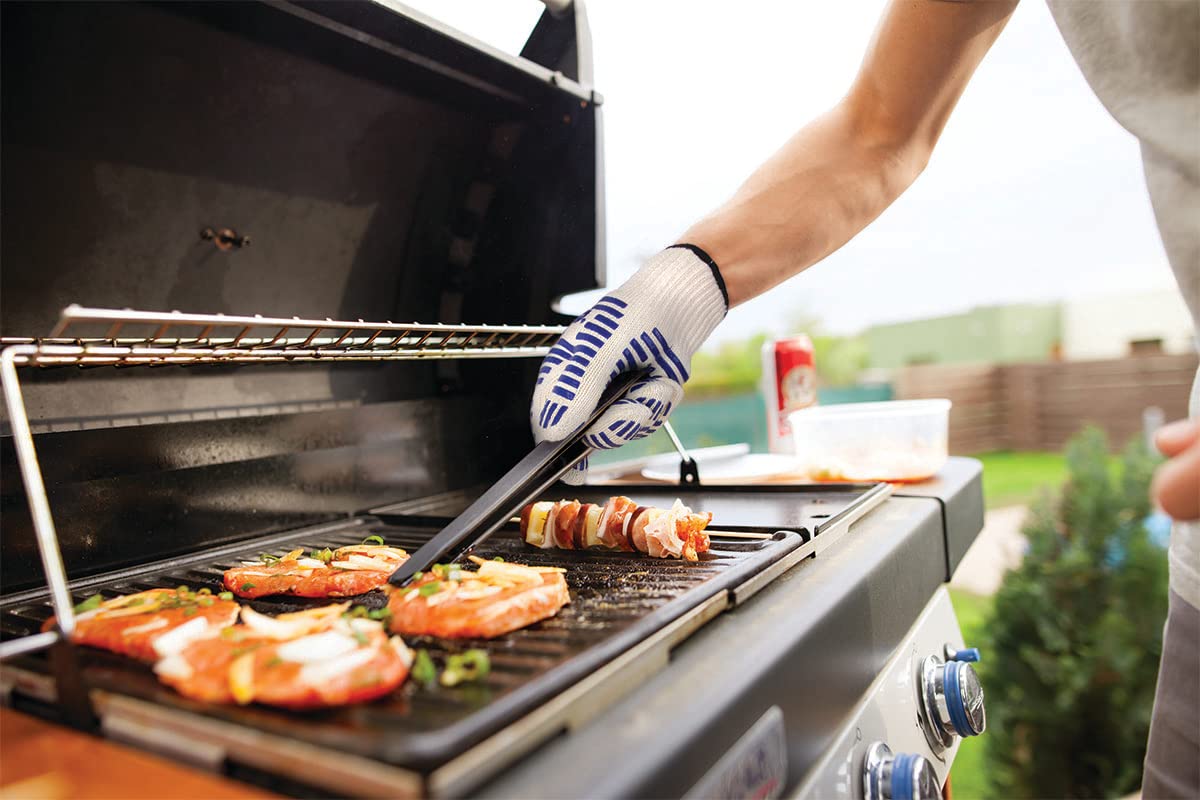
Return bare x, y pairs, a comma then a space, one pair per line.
1088, 328
1132, 323
983, 335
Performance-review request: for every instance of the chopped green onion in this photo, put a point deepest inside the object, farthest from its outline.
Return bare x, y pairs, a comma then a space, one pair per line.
431, 588
423, 671
268, 558
205, 590
182, 590
273, 661
205, 601
472, 665
247, 587
497, 558
356, 611
87, 605
361, 637
381, 614
226, 595
230, 634
325, 555
137, 601
418, 575
190, 611
373, 539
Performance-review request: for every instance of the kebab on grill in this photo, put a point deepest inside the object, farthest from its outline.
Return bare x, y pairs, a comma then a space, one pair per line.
619, 524
146, 624
344, 572
454, 602
316, 658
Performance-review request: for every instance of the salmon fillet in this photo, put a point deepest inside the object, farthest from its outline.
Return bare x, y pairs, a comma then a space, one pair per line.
344, 572
138, 625
455, 603
309, 659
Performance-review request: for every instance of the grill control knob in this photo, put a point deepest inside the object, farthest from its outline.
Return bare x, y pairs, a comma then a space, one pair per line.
903, 776
951, 701
966, 654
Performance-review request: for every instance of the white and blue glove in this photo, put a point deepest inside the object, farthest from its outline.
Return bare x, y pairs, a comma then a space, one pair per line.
656, 319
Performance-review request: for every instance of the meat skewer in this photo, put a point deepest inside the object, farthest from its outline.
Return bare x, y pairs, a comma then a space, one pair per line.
620, 524
710, 531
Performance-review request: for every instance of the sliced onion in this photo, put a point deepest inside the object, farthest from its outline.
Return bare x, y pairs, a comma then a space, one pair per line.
175, 666
290, 626
310, 563
317, 647
358, 562
402, 650
174, 642
322, 672
152, 625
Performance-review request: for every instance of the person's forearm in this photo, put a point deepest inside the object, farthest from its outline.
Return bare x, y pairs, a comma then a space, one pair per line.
824, 186
842, 170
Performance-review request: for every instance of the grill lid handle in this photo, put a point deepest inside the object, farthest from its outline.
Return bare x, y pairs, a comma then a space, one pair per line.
532, 475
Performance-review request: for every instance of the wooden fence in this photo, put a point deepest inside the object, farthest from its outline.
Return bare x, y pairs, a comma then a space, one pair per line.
1040, 406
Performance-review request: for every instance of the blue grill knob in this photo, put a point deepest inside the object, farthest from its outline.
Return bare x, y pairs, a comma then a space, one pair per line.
951, 700
903, 776
970, 654
964, 699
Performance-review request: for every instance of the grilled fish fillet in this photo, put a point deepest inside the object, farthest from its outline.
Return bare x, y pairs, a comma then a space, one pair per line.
140, 625
306, 660
349, 571
456, 603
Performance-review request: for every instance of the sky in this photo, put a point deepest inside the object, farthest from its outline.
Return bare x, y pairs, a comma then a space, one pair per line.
1034, 193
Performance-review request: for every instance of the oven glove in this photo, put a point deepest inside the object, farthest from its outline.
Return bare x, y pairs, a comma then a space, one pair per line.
657, 319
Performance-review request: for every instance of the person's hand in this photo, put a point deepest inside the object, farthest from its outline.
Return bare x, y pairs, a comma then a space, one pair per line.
1176, 486
656, 319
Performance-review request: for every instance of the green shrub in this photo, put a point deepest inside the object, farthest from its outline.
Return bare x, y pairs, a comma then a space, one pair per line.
1076, 634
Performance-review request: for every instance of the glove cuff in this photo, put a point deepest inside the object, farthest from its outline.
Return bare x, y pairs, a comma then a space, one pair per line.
712, 265
687, 282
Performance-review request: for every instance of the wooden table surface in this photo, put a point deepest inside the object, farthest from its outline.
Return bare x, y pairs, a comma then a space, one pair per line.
41, 761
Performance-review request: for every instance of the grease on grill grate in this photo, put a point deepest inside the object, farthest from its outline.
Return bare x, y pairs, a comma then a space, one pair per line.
610, 593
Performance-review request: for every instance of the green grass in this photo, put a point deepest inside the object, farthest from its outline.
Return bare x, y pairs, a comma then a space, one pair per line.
1012, 478
969, 775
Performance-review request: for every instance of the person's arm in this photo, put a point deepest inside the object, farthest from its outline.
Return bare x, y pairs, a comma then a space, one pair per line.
824, 186
842, 170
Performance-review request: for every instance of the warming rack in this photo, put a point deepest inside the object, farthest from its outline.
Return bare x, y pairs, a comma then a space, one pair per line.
88, 337
97, 337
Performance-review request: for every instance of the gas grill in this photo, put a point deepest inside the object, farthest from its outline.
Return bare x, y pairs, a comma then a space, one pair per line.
269, 164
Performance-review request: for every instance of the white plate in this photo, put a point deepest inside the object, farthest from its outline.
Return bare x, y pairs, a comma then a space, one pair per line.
745, 468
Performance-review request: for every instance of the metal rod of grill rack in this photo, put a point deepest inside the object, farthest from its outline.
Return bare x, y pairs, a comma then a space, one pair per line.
61, 349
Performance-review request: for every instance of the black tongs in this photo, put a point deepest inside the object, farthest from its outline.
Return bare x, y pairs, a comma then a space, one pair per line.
532, 475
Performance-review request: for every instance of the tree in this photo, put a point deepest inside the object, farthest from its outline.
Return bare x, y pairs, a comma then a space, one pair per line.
1076, 635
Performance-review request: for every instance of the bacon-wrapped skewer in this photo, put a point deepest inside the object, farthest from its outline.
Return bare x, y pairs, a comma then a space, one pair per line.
619, 524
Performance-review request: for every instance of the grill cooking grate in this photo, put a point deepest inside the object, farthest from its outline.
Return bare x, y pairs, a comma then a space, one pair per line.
617, 601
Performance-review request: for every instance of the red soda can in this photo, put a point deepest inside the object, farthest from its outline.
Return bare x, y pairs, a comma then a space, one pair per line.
789, 383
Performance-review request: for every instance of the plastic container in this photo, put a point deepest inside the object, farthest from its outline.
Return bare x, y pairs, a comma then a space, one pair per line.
903, 440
